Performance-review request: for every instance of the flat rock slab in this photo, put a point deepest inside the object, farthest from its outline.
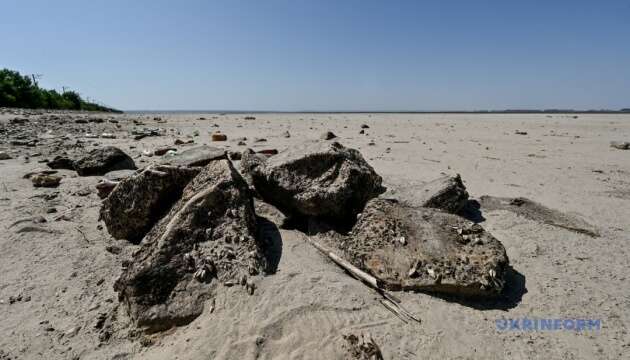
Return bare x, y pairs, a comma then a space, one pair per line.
197, 156
119, 175
103, 160
424, 249
446, 193
314, 179
537, 212
140, 200
207, 238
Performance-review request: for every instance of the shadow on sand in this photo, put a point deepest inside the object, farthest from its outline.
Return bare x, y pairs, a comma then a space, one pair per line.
269, 234
472, 211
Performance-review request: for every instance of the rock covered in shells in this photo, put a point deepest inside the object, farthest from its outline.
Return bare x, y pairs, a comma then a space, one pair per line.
207, 239
425, 249
314, 179
103, 160
137, 202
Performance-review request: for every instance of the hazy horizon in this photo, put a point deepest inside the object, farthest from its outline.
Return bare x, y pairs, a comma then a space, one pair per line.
320, 56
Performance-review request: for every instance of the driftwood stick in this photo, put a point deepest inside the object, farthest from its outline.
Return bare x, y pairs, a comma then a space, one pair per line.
358, 273
388, 305
391, 302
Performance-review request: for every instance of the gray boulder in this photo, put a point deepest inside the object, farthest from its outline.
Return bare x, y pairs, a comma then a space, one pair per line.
446, 193
137, 202
314, 179
207, 238
103, 160
426, 250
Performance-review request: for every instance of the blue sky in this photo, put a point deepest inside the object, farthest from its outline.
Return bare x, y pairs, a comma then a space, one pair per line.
325, 55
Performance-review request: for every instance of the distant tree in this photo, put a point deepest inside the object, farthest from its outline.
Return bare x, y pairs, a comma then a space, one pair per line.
21, 91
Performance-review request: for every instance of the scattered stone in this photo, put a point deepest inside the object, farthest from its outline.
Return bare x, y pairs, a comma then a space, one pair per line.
61, 162
259, 140
442, 252
286, 134
182, 142
362, 132
208, 234
328, 135
447, 193
138, 202
314, 179
621, 145
365, 126
108, 136
141, 134
163, 150
103, 160
5, 156
196, 156
19, 121
45, 180
361, 348
249, 118
217, 136
268, 152
517, 132
113, 249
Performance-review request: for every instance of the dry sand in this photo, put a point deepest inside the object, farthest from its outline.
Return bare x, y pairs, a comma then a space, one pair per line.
64, 273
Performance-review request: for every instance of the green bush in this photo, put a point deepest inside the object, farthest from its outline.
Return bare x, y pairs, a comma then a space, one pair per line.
20, 91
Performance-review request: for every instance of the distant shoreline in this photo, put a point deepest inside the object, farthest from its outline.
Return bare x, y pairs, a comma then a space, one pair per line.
577, 112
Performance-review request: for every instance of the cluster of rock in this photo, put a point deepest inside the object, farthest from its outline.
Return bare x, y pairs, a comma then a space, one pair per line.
196, 225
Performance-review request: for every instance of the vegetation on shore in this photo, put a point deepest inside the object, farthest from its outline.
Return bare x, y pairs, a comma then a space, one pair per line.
20, 91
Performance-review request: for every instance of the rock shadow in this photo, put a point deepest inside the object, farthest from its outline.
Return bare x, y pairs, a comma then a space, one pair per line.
269, 234
472, 211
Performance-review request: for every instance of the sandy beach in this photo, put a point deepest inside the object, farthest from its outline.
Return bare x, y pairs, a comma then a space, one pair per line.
59, 263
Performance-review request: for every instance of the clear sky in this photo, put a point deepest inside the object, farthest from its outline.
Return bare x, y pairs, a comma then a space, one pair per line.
325, 55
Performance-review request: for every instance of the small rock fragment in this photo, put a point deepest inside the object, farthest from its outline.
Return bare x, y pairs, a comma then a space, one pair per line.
217, 136
45, 180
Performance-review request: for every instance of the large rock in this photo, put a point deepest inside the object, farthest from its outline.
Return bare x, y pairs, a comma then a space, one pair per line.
314, 179
103, 160
446, 193
425, 249
197, 156
139, 201
208, 237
